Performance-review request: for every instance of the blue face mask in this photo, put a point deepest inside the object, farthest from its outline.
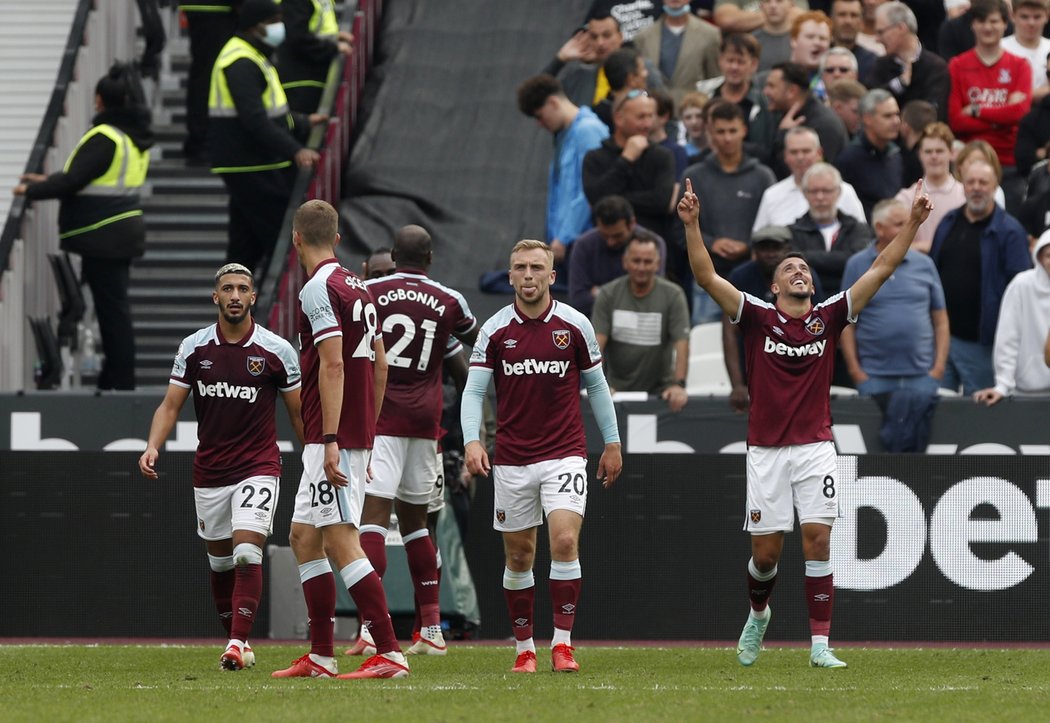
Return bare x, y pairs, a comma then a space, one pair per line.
676, 12
274, 34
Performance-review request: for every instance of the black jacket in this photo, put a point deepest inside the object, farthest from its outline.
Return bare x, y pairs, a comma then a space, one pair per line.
121, 239
647, 183
303, 55
1033, 134
929, 80
806, 237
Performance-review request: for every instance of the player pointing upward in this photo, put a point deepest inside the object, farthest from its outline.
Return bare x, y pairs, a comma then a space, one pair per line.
536, 349
790, 355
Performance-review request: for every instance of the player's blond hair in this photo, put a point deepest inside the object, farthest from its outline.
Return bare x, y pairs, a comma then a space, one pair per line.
529, 244
317, 222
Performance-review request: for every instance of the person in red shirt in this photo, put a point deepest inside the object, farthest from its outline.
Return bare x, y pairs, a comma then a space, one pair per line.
991, 92
791, 460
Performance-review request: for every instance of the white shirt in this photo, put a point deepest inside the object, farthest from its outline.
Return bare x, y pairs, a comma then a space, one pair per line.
1036, 58
783, 202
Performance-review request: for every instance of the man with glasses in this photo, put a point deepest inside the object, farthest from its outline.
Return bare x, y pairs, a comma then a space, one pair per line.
837, 64
908, 71
847, 16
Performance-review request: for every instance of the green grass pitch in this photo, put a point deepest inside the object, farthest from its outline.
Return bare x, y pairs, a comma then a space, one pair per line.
184, 683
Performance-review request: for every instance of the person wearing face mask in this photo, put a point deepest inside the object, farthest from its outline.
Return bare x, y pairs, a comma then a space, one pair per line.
313, 39
682, 46
254, 141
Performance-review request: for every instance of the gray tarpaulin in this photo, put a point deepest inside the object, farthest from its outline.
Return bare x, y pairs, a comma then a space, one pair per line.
443, 144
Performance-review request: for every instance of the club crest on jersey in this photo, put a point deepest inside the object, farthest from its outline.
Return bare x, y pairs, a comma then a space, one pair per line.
756, 516
561, 338
501, 516
256, 365
815, 327
1004, 76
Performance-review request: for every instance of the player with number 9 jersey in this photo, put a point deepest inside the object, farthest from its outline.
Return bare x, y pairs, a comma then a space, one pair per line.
335, 302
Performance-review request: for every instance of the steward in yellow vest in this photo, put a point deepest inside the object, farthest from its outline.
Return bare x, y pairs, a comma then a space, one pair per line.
254, 141
313, 40
100, 216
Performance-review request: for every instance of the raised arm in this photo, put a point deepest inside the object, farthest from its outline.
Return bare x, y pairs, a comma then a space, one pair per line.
727, 295
890, 257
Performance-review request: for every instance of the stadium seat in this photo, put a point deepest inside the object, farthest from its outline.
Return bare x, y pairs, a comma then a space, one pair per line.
707, 371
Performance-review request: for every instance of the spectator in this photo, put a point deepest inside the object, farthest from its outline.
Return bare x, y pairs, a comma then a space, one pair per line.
915, 116
826, 235
978, 250
254, 141
642, 325
872, 162
632, 16
312, 40
658, 135
867, 37
908, 70
901, 339
1033, 135
576, 131
578, 63
1035, 213
981, 150
738, 61
810, 40
626, 71
598, 256
774, 33
991, 91
755, 277
1028, 42
1024, 318
844, 99
783, 202
682, 46
628, 165
743, 16
209, 24
691, 114
847, 16
787, 92
837, 64
730, 186
946, 191
100, 216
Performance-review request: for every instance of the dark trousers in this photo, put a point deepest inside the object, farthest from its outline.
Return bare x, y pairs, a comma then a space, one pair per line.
208, 33
258, 202
108, 280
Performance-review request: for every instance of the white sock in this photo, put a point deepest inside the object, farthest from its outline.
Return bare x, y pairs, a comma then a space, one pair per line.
323, 661
819, 640
561, 636
238, 643
524, 646
430, 632
760, 614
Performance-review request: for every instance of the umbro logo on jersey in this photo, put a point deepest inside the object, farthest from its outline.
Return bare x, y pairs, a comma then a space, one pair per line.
510, 343
561, 338
256, 365
222, 390
205, 363
777, 330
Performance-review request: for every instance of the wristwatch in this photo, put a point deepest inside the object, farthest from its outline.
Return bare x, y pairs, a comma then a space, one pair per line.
679, 383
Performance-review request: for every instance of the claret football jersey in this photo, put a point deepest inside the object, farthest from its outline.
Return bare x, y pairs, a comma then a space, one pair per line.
234, 387
418, 317
536, 365
790, 364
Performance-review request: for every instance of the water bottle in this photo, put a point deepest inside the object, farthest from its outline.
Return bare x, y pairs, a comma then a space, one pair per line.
88, 354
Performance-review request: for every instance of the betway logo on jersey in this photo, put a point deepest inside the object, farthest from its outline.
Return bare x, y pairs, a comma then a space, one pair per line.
420, 297
534, 366
815, 348
222, 390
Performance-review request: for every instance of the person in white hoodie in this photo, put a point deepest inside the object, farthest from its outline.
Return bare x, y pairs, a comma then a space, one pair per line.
1021, 336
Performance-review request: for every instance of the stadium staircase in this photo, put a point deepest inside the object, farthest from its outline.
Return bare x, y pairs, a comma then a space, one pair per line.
186, 219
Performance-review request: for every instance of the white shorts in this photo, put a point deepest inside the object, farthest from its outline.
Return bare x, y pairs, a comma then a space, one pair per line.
318, 502
247, 505
408, 468
781, 480
436, 503
522, 495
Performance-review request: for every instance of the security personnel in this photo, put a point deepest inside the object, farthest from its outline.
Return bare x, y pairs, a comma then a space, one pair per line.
101, 213
254, 141
304, 57
209, 23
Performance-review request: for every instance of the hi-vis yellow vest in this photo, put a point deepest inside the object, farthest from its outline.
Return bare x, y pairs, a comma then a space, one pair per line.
220, 102
322, 21
120, 183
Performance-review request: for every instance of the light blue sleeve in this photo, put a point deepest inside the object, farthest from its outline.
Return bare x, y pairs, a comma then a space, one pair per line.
471, 401
601, 405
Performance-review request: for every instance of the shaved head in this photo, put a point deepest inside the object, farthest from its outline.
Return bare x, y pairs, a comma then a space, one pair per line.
412, 247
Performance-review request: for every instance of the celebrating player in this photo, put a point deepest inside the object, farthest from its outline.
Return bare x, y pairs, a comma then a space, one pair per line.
234, 369
537, 349
418, 317
344, 372
790, 354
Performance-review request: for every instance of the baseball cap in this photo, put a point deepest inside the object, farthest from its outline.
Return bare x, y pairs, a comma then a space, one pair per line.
772, 235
